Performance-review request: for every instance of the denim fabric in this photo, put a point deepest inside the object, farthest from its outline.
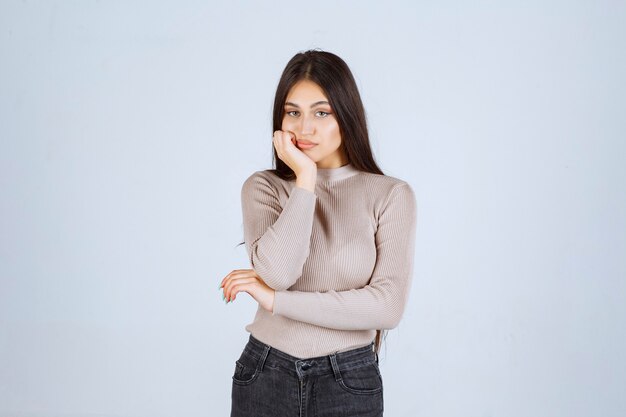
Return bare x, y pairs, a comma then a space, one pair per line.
270, 383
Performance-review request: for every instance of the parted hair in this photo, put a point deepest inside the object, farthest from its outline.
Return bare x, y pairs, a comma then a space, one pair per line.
334, 77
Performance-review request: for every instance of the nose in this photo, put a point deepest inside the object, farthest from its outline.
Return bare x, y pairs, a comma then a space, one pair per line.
308, 125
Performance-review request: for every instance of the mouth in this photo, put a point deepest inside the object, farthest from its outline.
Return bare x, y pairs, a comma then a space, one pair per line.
305, 144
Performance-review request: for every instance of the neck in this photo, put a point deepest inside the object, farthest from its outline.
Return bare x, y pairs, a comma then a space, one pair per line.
339, 173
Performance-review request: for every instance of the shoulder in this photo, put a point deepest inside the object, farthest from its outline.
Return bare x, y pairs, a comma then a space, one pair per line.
260, 176
263, 181
387, 185
390, 194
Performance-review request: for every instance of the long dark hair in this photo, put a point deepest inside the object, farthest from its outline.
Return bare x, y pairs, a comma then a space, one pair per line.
334, 77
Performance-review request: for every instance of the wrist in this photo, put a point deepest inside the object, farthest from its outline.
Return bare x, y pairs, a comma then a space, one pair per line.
306, 182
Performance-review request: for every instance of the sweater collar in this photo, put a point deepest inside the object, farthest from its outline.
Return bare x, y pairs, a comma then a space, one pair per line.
332, 174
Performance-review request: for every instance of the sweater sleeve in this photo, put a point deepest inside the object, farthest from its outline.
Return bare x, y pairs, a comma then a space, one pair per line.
277, 238
380, 304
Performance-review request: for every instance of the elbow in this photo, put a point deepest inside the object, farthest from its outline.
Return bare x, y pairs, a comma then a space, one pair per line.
387, 307
391, 318
275, 279
278, 285
388, 323
272, 278
278, 276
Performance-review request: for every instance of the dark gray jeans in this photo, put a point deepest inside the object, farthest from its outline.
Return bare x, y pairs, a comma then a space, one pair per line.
270, 383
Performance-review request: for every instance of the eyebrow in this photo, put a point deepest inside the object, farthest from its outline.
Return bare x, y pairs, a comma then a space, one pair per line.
288, 103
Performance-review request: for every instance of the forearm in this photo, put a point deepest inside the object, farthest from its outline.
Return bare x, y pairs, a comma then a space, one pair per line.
278, 255
380, 304
370, 307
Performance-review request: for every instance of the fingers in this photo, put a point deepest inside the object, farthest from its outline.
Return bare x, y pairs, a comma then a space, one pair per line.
282, 140
247, 280
235, 286
234, 271
237, 272
247, 286
284, 135
234, 281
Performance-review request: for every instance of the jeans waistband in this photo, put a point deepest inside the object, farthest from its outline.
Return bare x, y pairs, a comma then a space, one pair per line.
327, 364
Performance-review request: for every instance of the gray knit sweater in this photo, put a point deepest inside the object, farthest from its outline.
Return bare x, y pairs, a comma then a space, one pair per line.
340, 258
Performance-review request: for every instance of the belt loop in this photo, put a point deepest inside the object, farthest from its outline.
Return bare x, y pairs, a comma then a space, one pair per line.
333, 363
266, 351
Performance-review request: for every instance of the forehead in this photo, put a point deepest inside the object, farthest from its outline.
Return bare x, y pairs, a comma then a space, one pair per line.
306, 91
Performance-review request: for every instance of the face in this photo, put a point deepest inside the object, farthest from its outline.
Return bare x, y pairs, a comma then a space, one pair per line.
308, 114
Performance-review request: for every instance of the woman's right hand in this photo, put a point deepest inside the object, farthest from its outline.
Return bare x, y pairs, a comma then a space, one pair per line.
288, 152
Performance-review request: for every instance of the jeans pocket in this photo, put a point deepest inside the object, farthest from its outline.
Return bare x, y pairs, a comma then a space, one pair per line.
246, 369
363, 379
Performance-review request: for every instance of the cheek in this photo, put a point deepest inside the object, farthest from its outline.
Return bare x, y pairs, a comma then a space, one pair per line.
288, 122
333, 133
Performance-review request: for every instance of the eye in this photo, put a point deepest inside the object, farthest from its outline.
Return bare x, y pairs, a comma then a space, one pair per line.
323, 112
292, 111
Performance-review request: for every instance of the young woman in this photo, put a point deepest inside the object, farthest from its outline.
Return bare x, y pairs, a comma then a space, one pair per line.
331, 243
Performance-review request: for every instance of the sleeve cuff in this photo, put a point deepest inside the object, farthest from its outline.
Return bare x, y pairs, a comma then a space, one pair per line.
279, 298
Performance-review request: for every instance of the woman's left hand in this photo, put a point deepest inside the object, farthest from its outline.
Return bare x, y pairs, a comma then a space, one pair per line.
247, 280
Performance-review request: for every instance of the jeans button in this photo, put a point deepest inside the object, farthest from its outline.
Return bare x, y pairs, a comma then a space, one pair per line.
305, 366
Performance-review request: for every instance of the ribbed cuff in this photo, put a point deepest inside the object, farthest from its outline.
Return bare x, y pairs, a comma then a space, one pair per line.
281, 300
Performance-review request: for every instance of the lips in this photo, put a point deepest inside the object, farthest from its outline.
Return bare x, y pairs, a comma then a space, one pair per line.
305, 144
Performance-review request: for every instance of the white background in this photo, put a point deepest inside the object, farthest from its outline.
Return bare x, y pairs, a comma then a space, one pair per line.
128, 128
